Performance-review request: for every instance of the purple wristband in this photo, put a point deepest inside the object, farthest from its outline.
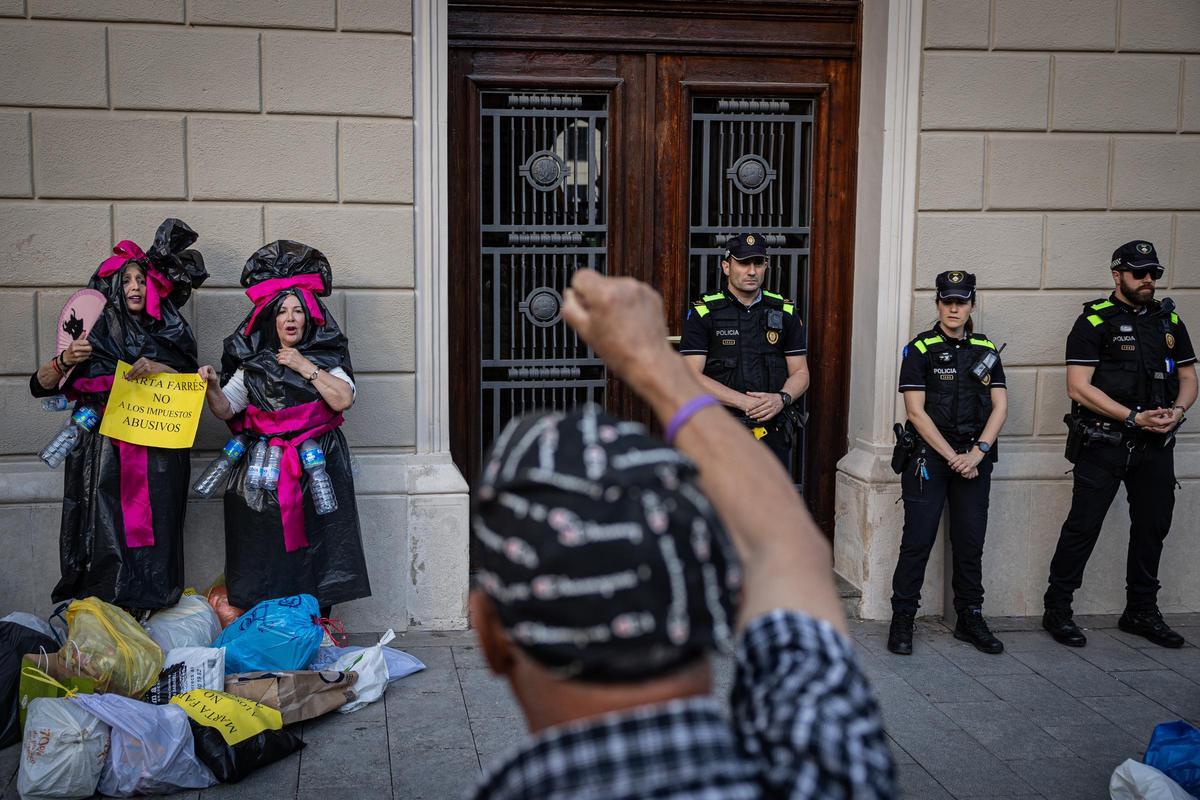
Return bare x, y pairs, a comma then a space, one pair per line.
686, 412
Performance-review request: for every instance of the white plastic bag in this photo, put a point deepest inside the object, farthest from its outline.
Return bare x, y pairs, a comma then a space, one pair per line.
63, 752
152, 750
187, 668
189, 623
372, 673
399, 663
1133, 780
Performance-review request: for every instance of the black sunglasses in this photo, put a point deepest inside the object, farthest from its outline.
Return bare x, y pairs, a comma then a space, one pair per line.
1140, 273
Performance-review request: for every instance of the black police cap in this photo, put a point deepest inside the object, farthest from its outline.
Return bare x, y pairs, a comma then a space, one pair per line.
1138, 254
745, 247
955, 284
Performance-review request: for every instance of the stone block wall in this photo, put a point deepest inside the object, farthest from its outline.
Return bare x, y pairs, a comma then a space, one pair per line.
1052, 131
251, 120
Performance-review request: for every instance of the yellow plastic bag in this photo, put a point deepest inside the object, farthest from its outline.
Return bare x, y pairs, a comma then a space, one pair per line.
235, 717
107, 644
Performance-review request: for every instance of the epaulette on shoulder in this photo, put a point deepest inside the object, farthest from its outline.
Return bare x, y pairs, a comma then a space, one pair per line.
1097, 311
710, 302
979, 340
778, 300
924, 341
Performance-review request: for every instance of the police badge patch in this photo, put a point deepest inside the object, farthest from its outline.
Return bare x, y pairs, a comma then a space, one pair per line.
1170, 342
1143, 248
955, 277
772, 337
987, 379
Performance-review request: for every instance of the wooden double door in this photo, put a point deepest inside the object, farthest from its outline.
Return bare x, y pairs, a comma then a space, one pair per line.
633, 138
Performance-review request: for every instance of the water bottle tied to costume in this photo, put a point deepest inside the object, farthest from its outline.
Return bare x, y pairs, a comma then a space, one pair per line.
258, 462
312, 457
270, 472
217, 471
83, 421
57, 403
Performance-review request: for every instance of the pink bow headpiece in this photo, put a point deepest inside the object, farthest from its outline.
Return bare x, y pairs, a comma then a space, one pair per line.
158, 285
264, 292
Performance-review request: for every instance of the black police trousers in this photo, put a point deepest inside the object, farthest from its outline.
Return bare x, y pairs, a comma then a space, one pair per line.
1149, 478
923, 503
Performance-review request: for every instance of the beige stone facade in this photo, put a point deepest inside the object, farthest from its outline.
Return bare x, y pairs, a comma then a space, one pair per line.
1047, 133
252, 121
1020, 139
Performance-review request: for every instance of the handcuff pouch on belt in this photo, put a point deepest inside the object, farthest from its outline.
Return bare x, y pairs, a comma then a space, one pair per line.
906, 445
785, 424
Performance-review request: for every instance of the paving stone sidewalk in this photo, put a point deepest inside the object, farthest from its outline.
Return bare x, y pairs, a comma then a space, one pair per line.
1041, 720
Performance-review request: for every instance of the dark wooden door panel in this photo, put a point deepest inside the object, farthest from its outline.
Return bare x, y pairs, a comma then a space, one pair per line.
761, 70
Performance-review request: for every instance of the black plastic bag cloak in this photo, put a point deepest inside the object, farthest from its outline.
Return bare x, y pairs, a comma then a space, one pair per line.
94, 559
231, 763
257, 566
16, 641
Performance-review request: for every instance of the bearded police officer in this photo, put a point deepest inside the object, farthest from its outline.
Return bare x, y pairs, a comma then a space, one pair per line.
748, 346
1131, 377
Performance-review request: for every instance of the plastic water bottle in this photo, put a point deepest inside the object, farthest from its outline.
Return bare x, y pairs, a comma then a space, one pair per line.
313, 459
258, 461
270, 475
57, 403
216, 472
85, 420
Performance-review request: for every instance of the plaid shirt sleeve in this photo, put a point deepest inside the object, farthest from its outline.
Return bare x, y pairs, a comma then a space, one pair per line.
803, 710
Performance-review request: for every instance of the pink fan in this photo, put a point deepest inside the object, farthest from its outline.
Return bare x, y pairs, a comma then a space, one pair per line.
77, 318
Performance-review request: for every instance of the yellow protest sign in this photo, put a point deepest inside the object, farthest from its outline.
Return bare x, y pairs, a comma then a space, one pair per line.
160, 410
236, 718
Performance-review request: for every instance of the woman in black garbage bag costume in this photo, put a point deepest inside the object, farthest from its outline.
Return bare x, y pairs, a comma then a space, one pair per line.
286, 376
123, 504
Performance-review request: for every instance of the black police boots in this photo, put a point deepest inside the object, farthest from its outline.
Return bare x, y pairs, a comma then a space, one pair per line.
901, 632
1149, 623
1062, 627
972, 628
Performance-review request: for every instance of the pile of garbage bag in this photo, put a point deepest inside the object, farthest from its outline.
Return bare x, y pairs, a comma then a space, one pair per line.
197, 694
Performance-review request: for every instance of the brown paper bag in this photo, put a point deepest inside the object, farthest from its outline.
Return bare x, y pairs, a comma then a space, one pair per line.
297, 694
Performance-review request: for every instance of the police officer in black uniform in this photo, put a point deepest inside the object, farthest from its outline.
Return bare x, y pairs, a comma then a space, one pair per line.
749, 347
1131, 376
956, 401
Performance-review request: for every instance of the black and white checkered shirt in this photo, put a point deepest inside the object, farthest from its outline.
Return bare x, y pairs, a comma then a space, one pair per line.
805, 725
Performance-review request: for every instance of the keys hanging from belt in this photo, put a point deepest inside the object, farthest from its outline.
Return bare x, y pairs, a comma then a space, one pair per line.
921, 473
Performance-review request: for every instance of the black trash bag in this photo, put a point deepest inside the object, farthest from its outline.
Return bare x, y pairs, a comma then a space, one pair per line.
16, 641
94, 558
231, 763
257, 565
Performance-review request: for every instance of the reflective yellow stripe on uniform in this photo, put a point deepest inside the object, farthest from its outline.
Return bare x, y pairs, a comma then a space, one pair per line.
920, 344
788, 308
702, 310
1174, 318
1103, 304
772, 295
1095, 319
983, 343
708, 298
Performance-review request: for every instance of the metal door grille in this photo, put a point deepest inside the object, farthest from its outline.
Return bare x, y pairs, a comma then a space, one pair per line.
543, 199
752, 172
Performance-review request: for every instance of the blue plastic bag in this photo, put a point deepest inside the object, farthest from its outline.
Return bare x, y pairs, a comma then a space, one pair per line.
1175, 751
274, 635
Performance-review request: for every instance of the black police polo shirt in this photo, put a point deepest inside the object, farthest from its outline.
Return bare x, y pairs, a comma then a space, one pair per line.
698, 331
1085, 342
916, 365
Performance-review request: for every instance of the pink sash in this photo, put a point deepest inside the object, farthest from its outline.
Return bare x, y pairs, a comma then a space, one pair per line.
288, 428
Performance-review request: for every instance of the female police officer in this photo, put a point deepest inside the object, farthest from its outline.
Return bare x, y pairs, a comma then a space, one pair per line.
956, 402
